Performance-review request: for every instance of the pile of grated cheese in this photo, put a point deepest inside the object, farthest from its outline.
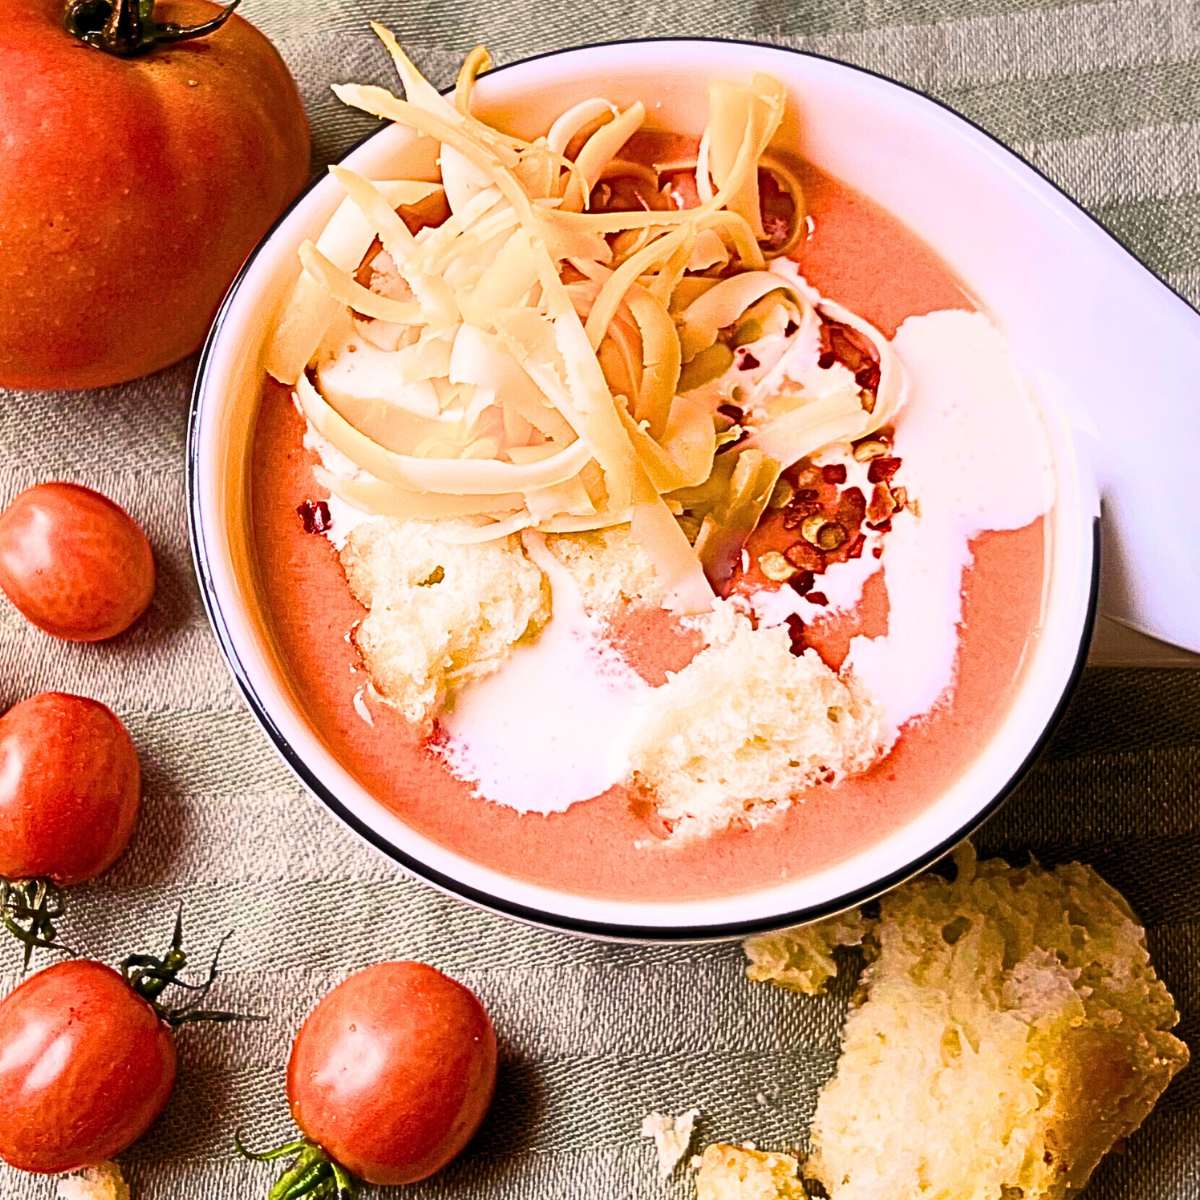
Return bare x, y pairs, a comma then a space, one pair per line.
527, 362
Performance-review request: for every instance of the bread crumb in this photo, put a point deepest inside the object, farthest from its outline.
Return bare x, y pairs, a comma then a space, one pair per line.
440, 614
735, 1173
103, 1182
609, 567
745, 727
1013, 1031
801, 958
672, 1137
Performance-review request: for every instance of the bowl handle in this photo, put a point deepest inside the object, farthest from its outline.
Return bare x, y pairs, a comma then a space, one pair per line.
1143, 380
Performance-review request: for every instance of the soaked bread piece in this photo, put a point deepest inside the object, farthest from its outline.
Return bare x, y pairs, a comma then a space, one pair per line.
746, 726
736, 1173
1012, 1031
440, 614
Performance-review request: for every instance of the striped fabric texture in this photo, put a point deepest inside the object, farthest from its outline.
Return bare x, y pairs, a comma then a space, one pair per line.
1105, 97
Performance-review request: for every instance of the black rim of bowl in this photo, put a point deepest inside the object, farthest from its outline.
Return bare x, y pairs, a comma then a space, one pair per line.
600, 929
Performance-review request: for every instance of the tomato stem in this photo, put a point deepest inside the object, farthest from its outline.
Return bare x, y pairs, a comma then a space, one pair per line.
150, 976
28, 910
312, 1174
127, 28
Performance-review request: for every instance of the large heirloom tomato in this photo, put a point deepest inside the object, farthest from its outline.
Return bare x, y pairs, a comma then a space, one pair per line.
138, 173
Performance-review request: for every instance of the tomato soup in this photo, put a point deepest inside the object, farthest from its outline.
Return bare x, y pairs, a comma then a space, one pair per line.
859, 255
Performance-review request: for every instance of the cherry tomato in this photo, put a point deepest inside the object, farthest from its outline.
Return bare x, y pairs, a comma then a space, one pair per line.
69, 789
393, 1071
86, 1065
74, 563
137, 176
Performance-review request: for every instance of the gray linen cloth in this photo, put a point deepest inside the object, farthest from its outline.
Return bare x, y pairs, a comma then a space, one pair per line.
1105, 97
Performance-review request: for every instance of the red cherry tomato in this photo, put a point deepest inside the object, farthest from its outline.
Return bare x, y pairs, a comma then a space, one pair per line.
393, 1071
85, 1067
70, 788
76, 564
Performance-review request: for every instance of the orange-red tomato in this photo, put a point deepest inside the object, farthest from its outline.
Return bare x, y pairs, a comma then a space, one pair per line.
76, 564
132, 189
85, 1067
70, 789
393, 1071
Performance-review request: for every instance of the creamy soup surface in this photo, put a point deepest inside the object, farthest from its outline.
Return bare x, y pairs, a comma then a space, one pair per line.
869, 262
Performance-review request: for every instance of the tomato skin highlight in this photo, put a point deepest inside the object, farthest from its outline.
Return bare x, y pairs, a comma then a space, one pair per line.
85, 1068
393, 1071
70, 789
132, 189
74, 563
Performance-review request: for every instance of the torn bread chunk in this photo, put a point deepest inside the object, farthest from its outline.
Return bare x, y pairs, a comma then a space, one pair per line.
801, 959
735, 1173
1013, 1031
672, 1137
440, 614
103, 1182
747, 726
609, 567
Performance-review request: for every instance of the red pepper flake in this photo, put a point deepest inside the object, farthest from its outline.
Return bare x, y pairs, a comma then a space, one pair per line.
803, 582
834, 473
746, 360
817, 598
790, 328
881, 470
315, 516
805, 557
803, 495
795, 628
881, 526
868, 377
877, 551
796, 514
852, 507
856, 546
731, 411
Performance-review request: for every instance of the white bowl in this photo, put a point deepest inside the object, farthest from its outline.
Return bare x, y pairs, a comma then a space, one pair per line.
1047, 274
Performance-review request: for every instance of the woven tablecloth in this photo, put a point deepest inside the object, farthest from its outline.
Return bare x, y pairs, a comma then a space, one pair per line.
1105, 97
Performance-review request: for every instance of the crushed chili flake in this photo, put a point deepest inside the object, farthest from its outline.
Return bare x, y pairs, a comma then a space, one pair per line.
881, 526
881, 470
834, 473
795, 628
805, 557
883, 503
868, 377
790, 328
802, 582
746, 360
731, 411
856, 546
852, 507
315, 516
818, 598
877, 551
802, 495
797, 513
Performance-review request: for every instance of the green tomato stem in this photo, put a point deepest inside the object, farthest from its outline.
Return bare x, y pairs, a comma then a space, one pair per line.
29, 909
151, 975
127, 28
312, 1174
